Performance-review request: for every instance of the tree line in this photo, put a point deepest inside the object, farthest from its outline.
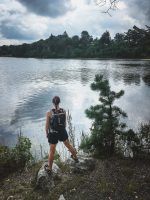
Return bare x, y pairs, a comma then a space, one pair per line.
135, 43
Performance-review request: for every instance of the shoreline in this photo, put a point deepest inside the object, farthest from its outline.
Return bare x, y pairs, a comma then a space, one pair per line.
113, 178
79, 58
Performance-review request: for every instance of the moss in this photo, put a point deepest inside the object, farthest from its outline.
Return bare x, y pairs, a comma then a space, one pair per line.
65, 186
147, 180
11, 192
104, 186
19, 189
127, 172
25, 184
34, 196
34, 170
131, 187
64, 167
1, 193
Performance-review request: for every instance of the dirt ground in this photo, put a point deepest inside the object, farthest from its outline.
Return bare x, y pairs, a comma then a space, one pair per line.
112, 179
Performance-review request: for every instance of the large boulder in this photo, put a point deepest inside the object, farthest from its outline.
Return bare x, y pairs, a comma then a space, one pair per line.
46, 181
85, 164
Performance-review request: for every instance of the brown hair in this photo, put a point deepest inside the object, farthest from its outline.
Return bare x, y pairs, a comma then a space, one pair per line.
56, 100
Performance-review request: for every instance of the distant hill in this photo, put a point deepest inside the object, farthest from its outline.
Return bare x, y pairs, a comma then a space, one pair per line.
135, 43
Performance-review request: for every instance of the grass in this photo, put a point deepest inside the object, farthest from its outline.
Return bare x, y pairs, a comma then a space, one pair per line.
115, 178
67, 185
105, 186
132, 187
127, 172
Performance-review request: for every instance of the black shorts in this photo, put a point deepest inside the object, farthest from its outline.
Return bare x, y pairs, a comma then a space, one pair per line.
61, 135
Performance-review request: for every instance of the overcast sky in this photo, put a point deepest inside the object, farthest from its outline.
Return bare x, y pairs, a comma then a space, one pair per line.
30, 20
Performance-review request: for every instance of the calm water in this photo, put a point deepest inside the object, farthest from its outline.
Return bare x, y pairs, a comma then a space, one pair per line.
28, 85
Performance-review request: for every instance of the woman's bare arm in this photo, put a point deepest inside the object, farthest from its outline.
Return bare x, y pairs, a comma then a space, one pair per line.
65, 119
47, 125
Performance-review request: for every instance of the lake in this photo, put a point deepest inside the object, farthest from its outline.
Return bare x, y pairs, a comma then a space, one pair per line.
27, 86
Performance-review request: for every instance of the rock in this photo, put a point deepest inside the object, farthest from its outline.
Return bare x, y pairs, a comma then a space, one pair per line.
128, 153
84, 154
61, 197
85, 164
10, 198
45, 181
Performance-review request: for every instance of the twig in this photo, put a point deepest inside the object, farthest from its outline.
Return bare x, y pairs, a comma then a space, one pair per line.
112, 5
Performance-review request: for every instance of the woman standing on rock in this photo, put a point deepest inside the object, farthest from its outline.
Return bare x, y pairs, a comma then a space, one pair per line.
56, 131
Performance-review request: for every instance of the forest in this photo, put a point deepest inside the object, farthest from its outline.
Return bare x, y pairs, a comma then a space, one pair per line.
135, 43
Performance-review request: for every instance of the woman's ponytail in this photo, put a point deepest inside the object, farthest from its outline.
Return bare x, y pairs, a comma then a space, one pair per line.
56, 101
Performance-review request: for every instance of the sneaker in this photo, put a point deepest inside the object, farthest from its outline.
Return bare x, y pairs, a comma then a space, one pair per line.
75, 159
49, 171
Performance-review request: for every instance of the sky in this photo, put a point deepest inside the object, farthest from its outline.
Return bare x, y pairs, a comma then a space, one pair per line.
26, 21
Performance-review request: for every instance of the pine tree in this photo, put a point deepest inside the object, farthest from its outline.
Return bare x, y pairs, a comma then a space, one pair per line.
106, 116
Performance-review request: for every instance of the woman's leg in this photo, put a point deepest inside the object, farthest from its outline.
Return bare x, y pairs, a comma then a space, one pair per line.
70, 148
51, 155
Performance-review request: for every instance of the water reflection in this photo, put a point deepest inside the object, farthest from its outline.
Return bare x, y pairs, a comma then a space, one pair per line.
85, 73
146, 79
28, 86
130, 78
35, 106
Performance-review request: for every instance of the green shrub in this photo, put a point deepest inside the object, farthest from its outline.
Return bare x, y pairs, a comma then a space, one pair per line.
86, 143
21, 152
15, 158
141, 146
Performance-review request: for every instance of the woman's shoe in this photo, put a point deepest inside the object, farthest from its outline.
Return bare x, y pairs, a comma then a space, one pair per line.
75, 159
49, 171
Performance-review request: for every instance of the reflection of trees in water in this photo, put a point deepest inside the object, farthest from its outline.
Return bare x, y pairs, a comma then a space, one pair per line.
130, 78
85, 74
61, 75
117, 76
146, 79
131, 73
129, 65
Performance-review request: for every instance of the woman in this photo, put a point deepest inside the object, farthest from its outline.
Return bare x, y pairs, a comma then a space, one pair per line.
56, 131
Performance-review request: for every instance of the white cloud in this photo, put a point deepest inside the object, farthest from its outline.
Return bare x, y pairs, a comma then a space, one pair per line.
90, 17
19, 24
121, 5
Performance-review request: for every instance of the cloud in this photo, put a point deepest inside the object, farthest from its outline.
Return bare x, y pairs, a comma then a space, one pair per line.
18, 24
27, 21
13, 31
139, 9
95, 22
50, 8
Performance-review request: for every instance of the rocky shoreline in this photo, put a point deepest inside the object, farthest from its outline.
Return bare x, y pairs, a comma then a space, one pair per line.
90, 179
